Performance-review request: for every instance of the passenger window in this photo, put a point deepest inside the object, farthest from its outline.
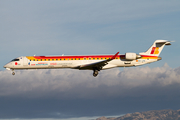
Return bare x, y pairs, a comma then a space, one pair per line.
52, 59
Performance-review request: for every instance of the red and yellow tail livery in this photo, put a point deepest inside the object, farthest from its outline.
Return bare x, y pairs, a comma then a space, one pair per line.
155, 50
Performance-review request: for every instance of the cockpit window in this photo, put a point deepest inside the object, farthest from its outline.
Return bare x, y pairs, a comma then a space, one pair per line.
15, 60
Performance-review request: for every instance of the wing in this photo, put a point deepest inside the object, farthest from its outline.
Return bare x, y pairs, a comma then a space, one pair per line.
97, 65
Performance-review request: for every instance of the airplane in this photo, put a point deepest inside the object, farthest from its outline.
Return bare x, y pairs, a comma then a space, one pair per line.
89, 62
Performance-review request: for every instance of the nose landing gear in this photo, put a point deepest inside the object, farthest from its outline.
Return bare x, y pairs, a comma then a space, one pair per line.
13, 73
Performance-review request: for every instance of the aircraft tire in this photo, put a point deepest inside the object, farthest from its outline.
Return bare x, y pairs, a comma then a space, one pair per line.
13, 73
95, 73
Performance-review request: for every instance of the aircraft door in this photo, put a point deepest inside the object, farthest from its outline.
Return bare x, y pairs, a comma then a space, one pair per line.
25, 61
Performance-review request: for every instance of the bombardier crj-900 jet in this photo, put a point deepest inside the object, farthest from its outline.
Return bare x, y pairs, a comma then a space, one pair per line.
89, 62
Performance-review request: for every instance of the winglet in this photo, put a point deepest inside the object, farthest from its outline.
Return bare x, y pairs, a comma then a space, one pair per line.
113, 57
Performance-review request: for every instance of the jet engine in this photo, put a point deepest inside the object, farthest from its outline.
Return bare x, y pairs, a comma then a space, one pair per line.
132, 56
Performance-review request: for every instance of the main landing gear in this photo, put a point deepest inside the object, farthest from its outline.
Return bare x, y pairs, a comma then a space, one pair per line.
96, 70
95, 73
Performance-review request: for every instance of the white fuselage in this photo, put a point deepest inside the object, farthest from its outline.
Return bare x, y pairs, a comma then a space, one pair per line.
25, 62
89, 62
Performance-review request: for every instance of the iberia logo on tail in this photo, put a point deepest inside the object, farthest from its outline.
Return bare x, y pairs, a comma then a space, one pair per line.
155, 50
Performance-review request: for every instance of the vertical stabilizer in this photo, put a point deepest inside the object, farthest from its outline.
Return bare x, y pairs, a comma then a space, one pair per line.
156, 48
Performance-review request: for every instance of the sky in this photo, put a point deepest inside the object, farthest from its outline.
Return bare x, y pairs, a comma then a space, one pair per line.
45, 27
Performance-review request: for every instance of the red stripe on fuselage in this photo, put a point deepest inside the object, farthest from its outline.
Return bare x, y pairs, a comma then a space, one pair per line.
88, 56
148, 57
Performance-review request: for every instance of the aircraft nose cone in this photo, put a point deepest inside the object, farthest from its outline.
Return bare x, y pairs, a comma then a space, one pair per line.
7, 66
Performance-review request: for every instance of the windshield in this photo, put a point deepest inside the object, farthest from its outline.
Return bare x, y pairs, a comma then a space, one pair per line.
15, 60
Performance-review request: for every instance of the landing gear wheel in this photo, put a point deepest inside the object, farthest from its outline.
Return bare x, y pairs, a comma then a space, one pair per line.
13, 73
95, 73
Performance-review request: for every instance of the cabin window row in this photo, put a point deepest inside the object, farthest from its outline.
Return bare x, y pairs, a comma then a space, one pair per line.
69, 59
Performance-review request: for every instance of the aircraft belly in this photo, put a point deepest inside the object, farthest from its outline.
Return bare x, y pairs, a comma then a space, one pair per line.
109, 66
144, 61
123, 63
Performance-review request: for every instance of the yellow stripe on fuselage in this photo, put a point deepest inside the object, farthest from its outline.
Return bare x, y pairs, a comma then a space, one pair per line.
149, 58
32, 58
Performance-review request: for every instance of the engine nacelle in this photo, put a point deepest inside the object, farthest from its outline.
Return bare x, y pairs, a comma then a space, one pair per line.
131, 56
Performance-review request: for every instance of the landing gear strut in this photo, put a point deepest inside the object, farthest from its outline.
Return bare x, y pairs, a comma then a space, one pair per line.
13, 73
95, 73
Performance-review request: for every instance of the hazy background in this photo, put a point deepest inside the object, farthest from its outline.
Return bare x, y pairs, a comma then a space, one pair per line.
44, 27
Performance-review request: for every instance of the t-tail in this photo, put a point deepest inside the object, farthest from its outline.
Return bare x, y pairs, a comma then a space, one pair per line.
156, 48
